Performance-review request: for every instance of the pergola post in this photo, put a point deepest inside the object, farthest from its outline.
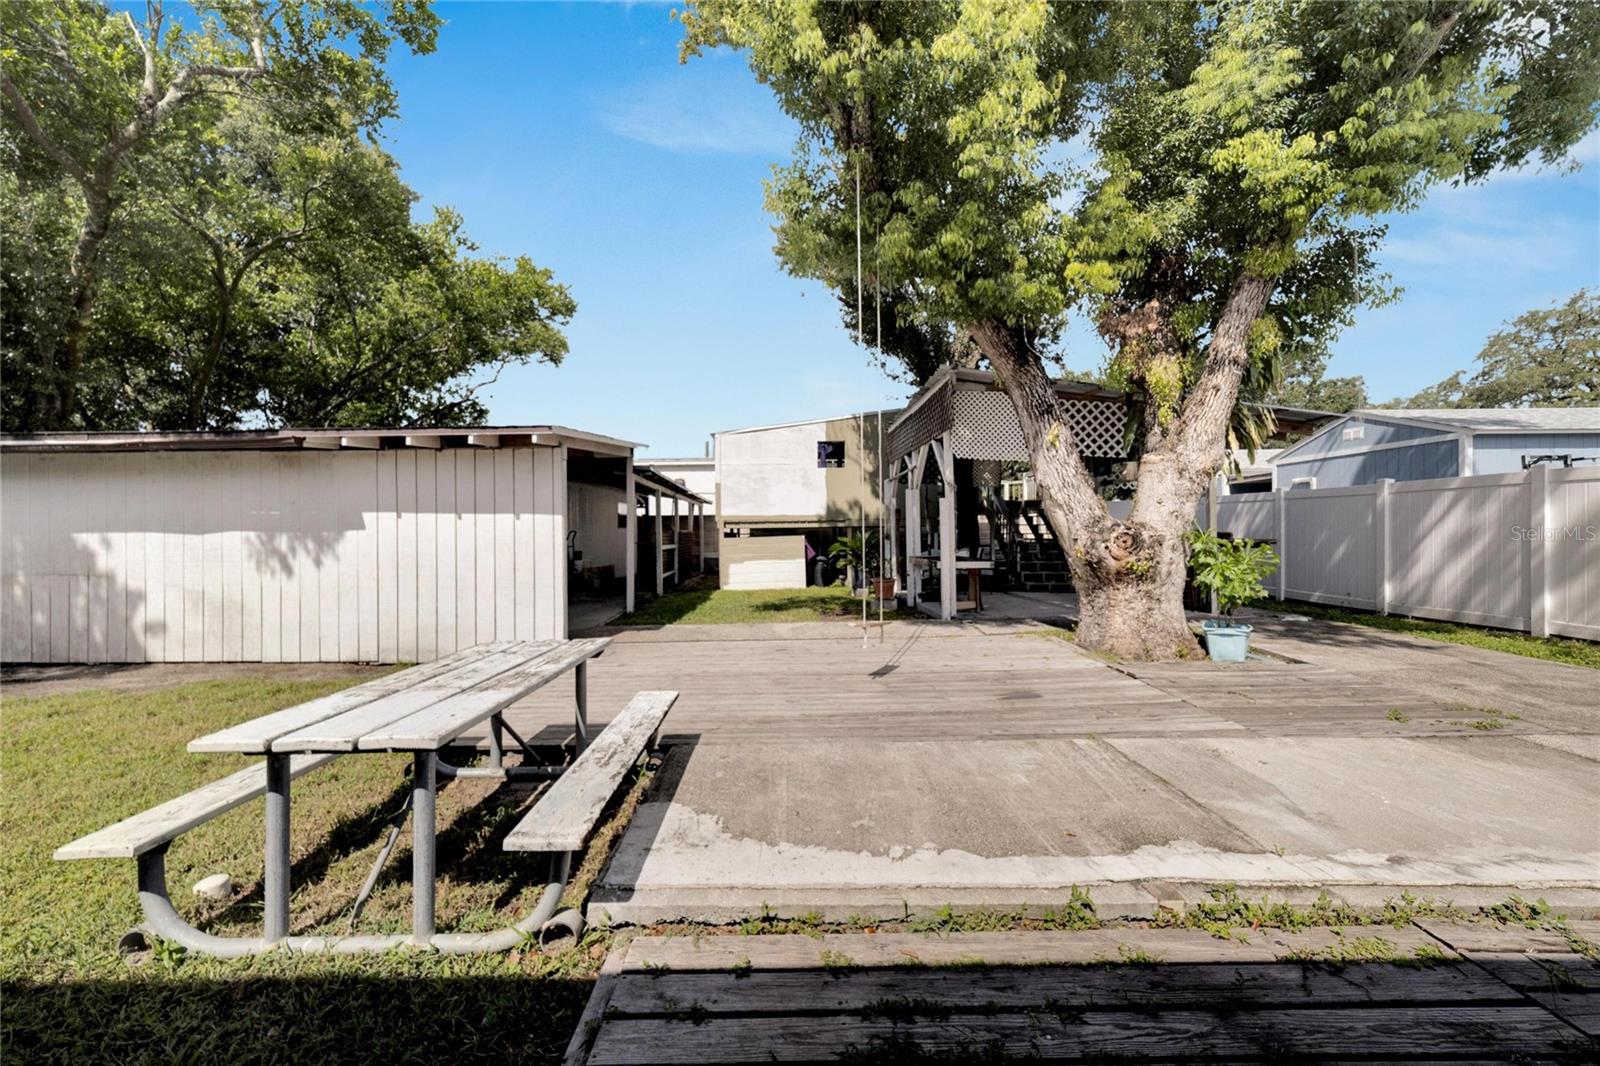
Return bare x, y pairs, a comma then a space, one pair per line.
700, 534
630, 503
914, 526
889, 541
677, 540
947, 533
661, 585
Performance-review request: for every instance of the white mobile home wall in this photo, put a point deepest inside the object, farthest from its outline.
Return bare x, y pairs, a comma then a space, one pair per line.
1516, 551
184, 556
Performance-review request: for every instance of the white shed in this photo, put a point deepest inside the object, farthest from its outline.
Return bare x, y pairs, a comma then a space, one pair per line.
290, 545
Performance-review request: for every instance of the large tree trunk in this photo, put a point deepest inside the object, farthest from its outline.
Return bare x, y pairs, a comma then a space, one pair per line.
85, 277
1130, 574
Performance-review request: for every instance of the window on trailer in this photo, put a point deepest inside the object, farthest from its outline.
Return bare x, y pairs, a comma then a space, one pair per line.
830, 453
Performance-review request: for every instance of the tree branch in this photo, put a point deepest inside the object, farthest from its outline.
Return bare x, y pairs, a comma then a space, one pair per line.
1198, 437
1431, 45
56, 46
148, 49
30, 123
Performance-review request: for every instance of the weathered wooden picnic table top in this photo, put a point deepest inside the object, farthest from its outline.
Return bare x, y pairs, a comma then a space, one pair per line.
423, 708
1467, 992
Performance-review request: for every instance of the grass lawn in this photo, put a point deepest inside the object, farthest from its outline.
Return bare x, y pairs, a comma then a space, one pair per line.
709, 605
1555, 649
73, 763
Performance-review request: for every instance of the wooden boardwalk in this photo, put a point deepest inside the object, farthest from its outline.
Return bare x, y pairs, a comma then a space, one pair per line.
1463, 992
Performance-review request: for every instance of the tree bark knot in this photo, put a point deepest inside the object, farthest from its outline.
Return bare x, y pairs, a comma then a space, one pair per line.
1124, 545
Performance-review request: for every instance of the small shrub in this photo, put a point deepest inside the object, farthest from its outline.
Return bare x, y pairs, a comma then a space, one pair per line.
1233, 569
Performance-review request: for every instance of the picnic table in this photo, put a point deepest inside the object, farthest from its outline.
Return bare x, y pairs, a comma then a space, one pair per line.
420, 710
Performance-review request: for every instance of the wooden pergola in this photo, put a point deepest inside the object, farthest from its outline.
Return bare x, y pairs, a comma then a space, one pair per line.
964, 414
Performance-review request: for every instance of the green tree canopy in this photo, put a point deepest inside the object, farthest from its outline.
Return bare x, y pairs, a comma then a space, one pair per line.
263, 264
1544, 358
91, 92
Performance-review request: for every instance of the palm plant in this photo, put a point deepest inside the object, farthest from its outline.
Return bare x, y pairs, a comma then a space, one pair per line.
856, 553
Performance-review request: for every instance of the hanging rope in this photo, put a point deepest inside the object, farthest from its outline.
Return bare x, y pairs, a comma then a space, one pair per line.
883, 490
861, 426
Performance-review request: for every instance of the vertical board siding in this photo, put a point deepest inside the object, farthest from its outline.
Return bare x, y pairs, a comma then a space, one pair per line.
388, 569
427, 558
1332, 547
405, 513
445, 520
267, 557
502, 463
352, 485
531, 494
484, 527
466, 537
254, 515
1459, 549
1455, 551
1574, 552
367, 560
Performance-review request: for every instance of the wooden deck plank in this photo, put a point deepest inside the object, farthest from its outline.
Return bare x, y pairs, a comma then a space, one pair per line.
134, 836
1201, 985
342, 732
798, 952
255, 736
443, 720
1097, 1034
564, 816
1472, 938
924, 685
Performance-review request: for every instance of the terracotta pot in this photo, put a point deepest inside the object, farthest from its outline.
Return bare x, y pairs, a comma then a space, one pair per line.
884, 586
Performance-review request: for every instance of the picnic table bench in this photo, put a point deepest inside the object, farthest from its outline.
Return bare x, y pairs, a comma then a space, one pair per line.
421, 710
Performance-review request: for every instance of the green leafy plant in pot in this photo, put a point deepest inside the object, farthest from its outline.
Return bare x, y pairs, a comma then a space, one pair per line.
858, 555
1233, 570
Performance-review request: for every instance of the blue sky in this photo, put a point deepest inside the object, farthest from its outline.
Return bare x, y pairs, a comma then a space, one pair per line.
571, 134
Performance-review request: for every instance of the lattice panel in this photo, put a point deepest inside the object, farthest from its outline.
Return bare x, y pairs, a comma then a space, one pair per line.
922, 425
985, 427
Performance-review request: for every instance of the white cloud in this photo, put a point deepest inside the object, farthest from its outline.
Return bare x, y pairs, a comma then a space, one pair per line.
1483, 250
692, 115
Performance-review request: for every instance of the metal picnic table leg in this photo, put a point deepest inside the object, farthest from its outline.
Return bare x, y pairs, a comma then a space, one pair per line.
581, 719
423, 859
276, 889
497, 745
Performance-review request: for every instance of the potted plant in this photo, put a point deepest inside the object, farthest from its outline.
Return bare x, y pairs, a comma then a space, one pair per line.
858, 555
1233, 570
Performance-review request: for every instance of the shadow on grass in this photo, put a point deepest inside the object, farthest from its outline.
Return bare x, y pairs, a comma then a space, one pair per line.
469, 852
842, 606
405, 1014
673, 607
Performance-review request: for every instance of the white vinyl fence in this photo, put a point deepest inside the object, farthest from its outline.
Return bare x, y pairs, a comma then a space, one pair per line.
1517, 551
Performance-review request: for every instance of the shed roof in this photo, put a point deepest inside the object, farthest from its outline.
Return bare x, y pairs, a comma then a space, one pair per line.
323, 439
656, 481
887, 412
1496, 419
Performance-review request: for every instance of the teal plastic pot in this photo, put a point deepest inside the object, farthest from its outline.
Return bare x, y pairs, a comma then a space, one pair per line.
1227, 642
